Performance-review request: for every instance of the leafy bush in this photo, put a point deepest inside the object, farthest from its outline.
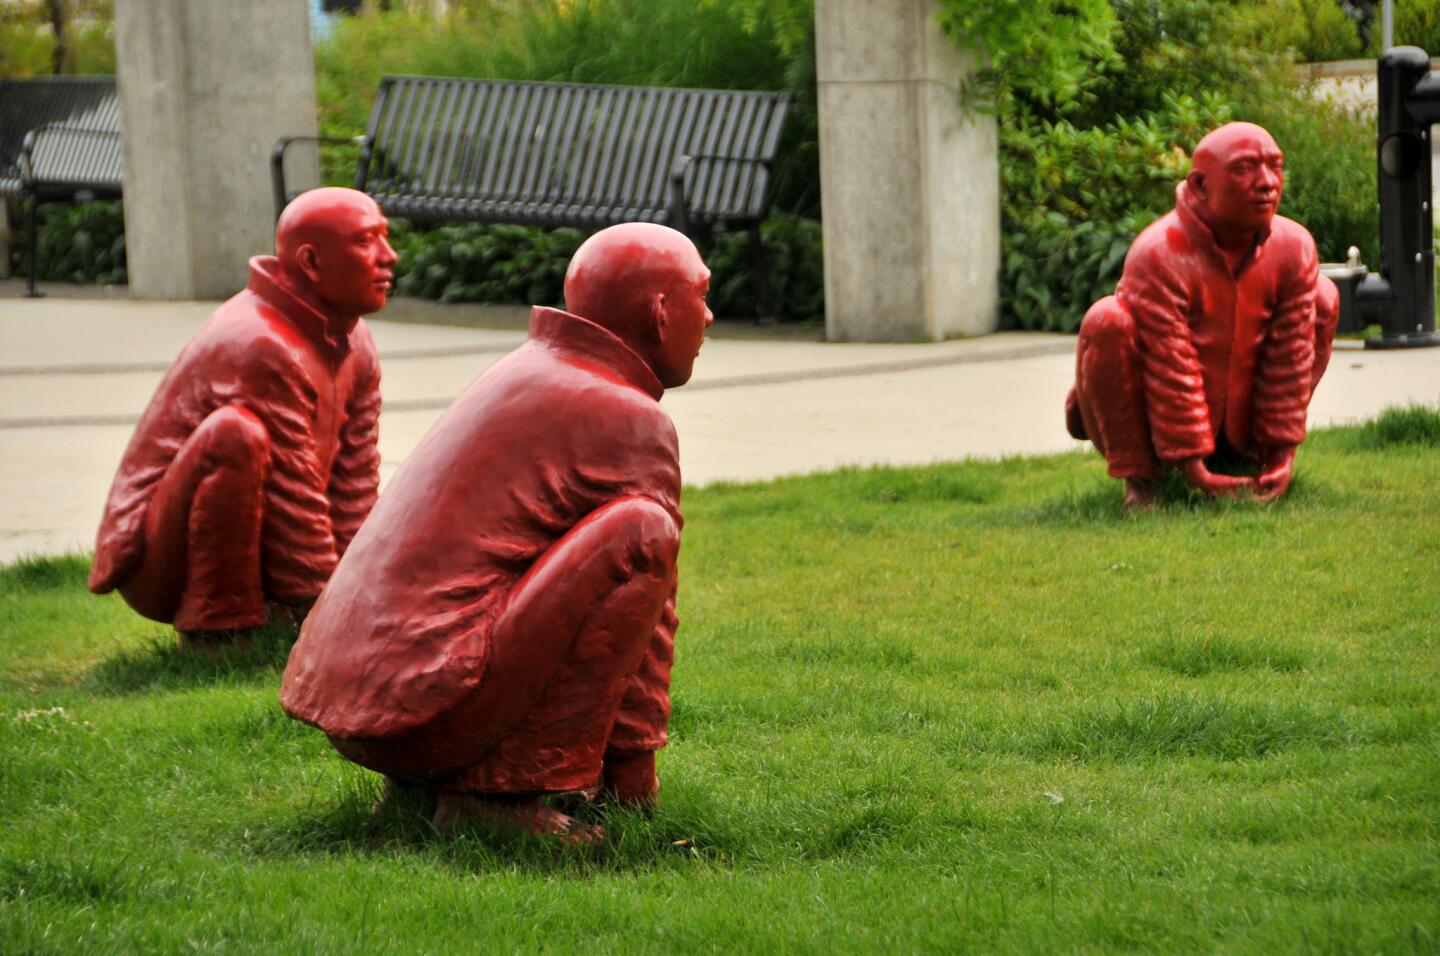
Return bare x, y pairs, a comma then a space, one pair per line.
795, 265
27, 38
473, 262
1081, 175
1314, 31
84, 243
1074, 199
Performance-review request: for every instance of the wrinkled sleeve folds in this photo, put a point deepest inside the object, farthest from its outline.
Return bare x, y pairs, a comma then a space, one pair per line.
1282, 372
1174, 383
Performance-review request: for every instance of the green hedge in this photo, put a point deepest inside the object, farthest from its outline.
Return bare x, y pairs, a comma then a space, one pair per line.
1082, 176
84, 243
474, 262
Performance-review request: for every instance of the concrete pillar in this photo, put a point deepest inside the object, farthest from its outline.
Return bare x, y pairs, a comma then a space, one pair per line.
910, 182
205, 90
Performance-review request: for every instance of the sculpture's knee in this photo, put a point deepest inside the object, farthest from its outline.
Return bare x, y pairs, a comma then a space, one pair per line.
645, 532
233, 437
1107, 326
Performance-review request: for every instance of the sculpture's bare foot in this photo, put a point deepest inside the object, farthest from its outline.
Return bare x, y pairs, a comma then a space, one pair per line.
1141, 492
517, 813
213, 645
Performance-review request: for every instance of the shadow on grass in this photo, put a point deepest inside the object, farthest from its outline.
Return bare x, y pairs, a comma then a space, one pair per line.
160, 664
1103, 503
687, 829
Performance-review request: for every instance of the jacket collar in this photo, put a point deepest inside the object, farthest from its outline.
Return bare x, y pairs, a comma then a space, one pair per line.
330, 332
590, 344
1188, 206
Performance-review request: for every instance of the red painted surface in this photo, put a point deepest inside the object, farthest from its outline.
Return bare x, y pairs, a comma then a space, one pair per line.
504, 622
256, 461
1217, 334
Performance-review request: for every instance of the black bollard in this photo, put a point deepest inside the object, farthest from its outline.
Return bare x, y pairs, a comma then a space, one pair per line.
1401, 297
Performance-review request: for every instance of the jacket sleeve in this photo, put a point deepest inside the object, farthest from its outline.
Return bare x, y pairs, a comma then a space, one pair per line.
1282, 369
355, 475
298, 550
1159, 301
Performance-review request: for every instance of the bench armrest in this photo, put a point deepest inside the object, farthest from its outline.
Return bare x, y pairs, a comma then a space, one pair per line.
25, 161
679, 202
277, 161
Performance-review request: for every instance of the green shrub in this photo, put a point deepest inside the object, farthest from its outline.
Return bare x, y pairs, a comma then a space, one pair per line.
795, 265
1312, 31
1081, 177
83, 243
473, 262
1075, 199
27, 39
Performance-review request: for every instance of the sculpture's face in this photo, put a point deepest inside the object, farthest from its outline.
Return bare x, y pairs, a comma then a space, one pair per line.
354, 262
1243, 187
686, 318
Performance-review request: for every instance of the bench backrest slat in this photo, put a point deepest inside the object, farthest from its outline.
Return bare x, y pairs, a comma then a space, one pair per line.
567, 152
629, 184
87, 102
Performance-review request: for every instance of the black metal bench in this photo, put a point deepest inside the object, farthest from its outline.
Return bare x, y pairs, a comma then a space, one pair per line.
565, 154
59, 142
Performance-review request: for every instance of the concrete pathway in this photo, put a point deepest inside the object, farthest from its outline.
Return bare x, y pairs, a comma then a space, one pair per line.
75, 373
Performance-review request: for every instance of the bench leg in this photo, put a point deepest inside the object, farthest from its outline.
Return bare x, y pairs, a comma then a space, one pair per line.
32, 241
764, 297
4, 238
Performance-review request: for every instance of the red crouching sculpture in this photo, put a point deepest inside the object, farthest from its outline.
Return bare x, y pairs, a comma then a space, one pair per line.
502, 627
256, 460
1217, 334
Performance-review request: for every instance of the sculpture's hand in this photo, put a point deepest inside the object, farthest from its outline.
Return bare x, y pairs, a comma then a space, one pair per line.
631, 781
1276, 469
1204, 480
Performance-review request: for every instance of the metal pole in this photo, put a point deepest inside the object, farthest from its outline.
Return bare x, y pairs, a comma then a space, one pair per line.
1387, 25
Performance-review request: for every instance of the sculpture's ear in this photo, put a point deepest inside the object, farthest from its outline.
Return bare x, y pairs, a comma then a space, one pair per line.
1196, 182
307, 260
658, 323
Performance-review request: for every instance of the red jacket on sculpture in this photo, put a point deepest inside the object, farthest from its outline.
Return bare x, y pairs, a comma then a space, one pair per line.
1224, 353
312, 380
1215, 338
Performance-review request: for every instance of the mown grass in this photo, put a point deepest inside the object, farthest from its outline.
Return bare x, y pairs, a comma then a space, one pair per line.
975, 706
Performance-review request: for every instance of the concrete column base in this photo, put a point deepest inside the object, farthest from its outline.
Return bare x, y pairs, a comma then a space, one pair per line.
910, 181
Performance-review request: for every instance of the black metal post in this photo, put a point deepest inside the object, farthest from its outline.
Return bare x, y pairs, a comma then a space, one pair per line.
1401, 298
32, 240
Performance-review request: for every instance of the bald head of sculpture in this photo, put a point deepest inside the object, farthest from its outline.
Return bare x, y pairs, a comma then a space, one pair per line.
647, 285
1238, 174
332, 247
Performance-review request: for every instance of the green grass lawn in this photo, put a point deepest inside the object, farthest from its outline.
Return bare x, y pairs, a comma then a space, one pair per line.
966, 707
